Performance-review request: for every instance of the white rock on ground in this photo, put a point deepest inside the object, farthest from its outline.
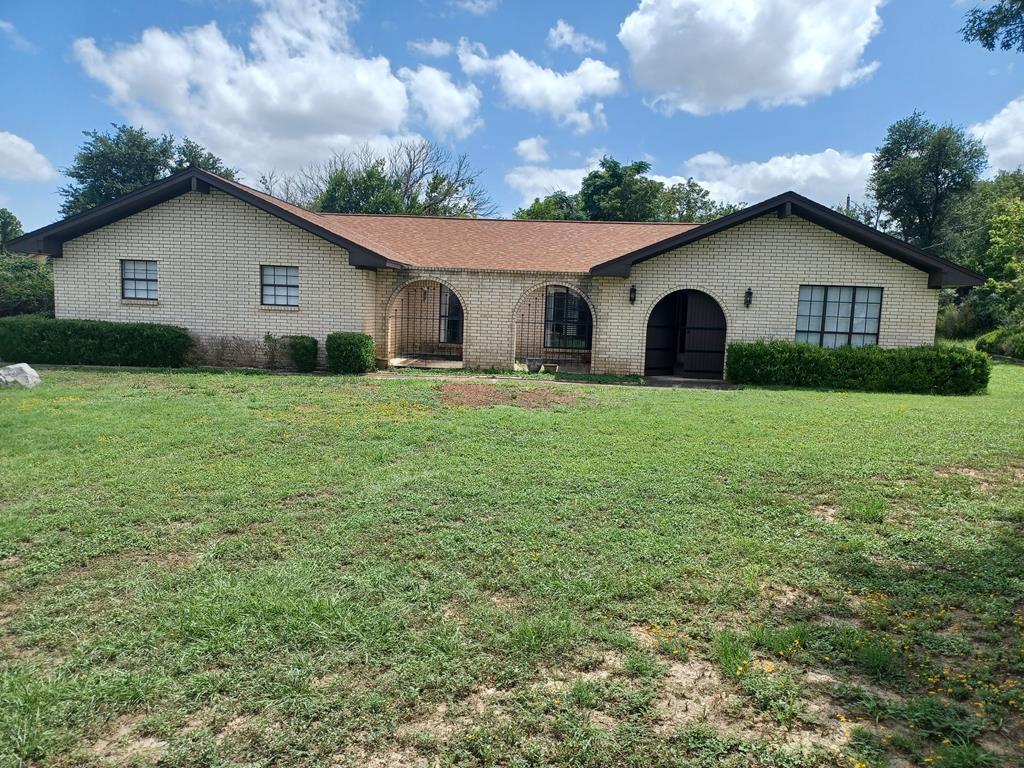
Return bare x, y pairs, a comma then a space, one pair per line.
20, 373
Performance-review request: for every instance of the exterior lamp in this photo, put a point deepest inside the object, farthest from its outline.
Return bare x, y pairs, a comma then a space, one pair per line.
632, 294
748, 297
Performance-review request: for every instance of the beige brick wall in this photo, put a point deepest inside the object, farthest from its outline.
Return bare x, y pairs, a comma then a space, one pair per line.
209, 249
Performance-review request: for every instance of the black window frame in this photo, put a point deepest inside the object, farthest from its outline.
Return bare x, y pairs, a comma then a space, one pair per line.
568, 325
152, 284
833, 315
275, 286
450, 317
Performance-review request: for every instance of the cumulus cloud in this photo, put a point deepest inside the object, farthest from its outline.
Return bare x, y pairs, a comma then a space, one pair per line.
564, 35
826, 176
705, 56
15, 38
533, 180
433, 47
21, 161
476, 7
298, 91
533, 149
563, 95
448, 109
1003, 135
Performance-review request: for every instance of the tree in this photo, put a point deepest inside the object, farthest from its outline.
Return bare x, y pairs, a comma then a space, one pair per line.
617, 192
864, 212
412, 177
10, 228
918, 173
110, 165
693, 203
558, 206
1002, 25
966, 237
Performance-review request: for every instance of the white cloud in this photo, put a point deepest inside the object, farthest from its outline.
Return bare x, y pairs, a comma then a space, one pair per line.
18, 42
433, 47
533, 180
826, 176
564, 35
476, 7
448, 109
533, 149
705, 56
297, 92
526, 84
21, 161
1003, 135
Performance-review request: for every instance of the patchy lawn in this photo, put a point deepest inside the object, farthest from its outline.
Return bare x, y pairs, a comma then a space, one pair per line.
212, 570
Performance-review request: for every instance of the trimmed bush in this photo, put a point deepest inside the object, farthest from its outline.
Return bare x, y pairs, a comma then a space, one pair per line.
303, 352
934, 370
26, 287
1008, 342
349, 352
34, 339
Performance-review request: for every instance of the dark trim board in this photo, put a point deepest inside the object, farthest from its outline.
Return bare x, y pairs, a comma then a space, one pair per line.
50, 239
941, 272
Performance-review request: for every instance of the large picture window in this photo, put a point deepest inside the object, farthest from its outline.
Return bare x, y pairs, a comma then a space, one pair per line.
279, 286
139, 280
838, 315
450, 318
567, 320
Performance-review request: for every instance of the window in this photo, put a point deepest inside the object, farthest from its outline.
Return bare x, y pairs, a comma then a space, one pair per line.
567, 321
450, 318
838, 316
280, 286
139, 280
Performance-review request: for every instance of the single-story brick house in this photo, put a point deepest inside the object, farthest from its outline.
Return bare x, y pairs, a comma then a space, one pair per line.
227, 261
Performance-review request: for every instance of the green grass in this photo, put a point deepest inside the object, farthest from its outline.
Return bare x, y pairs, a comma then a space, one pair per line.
220, 570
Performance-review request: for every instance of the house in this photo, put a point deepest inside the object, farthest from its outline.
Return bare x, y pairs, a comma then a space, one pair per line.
227, 261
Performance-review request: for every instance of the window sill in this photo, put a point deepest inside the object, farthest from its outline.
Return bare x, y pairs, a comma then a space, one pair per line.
141, 302
278, 308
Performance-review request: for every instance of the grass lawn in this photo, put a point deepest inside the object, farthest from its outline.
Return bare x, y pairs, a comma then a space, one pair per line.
204, 569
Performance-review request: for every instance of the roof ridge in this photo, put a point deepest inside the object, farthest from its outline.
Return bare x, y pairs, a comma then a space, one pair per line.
501, 219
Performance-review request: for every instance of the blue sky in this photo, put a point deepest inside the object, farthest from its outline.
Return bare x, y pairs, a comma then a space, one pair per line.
750, 97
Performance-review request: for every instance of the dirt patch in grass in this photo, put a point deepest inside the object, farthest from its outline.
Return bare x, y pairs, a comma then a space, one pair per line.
827, 513
443, 720
982, 480
122, 744
458, 393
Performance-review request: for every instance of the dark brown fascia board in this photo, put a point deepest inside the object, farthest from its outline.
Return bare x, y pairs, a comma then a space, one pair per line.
941, 272
50, 239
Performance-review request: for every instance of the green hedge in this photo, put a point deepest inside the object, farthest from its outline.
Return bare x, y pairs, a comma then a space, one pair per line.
1008, 342
303, 352
938, 370
34, 339
349, 352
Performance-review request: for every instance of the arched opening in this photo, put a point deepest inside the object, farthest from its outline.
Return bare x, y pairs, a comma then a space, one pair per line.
425, 326
686, 337
554, 324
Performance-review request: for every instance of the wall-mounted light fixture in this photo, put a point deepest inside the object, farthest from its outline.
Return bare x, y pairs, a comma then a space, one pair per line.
748, 297
632, 294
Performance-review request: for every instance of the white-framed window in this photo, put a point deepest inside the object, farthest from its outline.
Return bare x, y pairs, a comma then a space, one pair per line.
139, 279
279, 286
838, 315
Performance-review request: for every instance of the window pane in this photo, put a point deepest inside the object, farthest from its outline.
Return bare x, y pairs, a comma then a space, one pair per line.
846, 294
818, 292
803, 323
833, 340
805, 293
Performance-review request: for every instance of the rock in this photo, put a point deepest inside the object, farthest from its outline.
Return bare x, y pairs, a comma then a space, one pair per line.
19, 373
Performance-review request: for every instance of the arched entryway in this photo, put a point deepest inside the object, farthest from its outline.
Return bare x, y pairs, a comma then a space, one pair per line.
425, 326
686, 337
554, 324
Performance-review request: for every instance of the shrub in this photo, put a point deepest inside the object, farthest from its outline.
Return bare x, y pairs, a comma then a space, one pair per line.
303, 350
34, 339
939, 370
349, 353
1008, 342
26, 287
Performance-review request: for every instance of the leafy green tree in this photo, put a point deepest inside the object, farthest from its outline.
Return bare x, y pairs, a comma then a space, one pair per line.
864, 212
558, 206
360, 190
967, 234
10, 228
919, 172
26, 286
617, 192
693, 203
1002, 25
110, 165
